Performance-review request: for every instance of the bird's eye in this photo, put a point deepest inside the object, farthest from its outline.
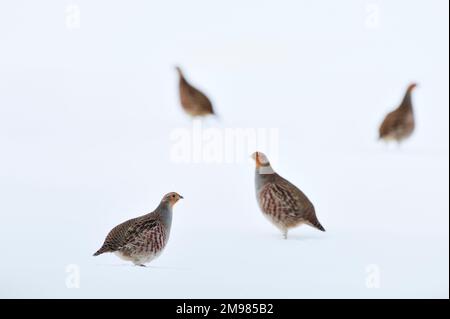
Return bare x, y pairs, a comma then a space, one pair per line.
173, 196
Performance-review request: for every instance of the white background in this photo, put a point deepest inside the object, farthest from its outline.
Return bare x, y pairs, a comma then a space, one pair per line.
86, 116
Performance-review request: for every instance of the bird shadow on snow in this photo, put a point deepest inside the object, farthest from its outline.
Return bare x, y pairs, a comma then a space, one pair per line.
166, 268
146, 267
304, 237
297, 237
403, 150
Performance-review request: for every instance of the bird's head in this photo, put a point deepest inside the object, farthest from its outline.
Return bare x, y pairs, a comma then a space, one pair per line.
411, 87
261, 159
178, 69
171, 198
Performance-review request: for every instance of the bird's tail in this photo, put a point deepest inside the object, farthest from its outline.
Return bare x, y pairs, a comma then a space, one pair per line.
316, 224
98, 252
102, 250
216, 116
320, 227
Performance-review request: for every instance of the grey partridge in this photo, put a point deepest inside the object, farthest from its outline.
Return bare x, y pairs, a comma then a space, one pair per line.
142, 239
194, 102
281, 202
399, 124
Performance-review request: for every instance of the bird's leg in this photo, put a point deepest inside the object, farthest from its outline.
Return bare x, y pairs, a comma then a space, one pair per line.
285, 232
141, 265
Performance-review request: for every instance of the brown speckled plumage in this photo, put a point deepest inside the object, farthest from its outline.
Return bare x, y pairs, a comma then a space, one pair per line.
281, 202
399, 124
142, 239
193, 101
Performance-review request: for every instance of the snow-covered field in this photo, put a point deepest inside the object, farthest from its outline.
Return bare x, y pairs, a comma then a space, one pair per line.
88, 112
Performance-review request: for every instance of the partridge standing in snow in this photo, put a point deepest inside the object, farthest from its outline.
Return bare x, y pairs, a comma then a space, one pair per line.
142, 239
280, 201
399, 124
194, 102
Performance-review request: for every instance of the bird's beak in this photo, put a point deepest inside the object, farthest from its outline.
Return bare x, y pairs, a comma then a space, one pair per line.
181, 197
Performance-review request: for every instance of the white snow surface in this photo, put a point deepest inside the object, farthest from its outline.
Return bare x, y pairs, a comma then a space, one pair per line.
86, 117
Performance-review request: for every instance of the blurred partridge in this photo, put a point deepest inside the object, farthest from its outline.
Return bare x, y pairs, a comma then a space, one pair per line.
399, 124
280, 201
142, 239
194, 102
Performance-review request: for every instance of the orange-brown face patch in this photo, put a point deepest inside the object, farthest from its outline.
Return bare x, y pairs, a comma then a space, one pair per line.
260, 159
257, 160
174, 199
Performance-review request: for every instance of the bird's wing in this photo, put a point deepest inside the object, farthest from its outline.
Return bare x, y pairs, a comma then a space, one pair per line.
294, 197
138, 228
116, 236
304, 208
199, 97
150, 235
393, 122
128, 233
